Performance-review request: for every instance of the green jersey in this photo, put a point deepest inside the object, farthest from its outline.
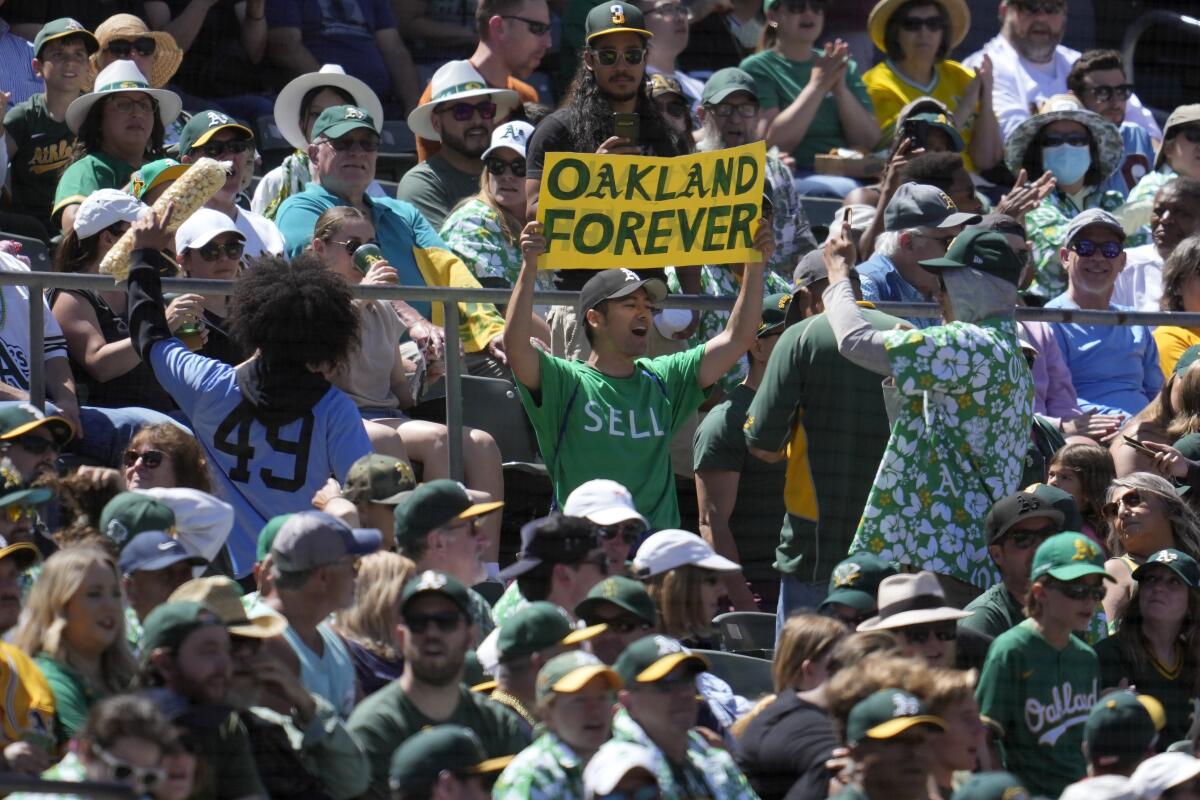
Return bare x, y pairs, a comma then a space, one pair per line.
92, 172
44, 147
1173, 687
1041, 696
591, 425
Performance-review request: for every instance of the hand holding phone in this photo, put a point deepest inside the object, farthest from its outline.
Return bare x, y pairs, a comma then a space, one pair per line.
1136, 445
627, 126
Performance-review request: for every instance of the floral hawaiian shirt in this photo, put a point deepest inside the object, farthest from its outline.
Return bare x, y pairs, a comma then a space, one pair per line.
1047, 229
473, 232
957, 446
793, 233
545, 770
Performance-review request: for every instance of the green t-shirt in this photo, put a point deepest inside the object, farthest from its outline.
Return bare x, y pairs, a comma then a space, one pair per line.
43, 150
1175, 692
435, 187
92, 172
720, 445
73, 696
383, 721
779, 81
618, 428
994, 612
832, 413
1041, 696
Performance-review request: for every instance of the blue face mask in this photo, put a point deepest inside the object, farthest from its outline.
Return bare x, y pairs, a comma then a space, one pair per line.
1069, 163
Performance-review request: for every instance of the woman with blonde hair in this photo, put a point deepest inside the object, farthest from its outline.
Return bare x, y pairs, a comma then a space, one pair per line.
952, 697
75, 631
1181, 292
367, 627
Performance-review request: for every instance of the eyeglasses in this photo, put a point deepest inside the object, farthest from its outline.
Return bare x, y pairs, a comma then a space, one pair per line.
1087, 248
352, 245
919, 634
674, 108
150, 458
1105, 93
445, 621
799, 6
464, 111
1078, 591
121, 48
368, 144
233, 146
127, 105
497, 166
19, 511
1034, 7
1191, 134
144, 778
746, 110
1073, 139
1023, 540
623, 625
212, 251
35, 444
630, 532
535, 27
931, 24
608, 56
669, 10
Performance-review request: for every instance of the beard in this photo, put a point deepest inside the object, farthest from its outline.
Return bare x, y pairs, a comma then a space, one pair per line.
459, 143
441, 673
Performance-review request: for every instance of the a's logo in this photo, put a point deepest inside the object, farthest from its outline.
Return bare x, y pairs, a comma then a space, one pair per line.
354, 113
610, 589
618, 13
1165, 557
846, 575
1084, 550
406, 473
667, 646
629, 275
784, 301
117, 531
946, 201
511, 132
905, 705
431, 581
1027, 503
72, 25
216, 118
1014, 793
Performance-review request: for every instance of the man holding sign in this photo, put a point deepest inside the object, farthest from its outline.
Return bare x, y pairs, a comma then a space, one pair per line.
613, 416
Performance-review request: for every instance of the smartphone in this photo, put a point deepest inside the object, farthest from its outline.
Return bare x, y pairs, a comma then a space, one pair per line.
1136, 445
917, 130
627, 126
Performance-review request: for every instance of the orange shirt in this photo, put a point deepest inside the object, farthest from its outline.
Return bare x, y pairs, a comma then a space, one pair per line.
426, 148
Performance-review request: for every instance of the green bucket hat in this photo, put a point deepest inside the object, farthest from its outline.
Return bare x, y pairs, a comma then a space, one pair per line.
169, 624
61, 28
568, 673
725, 82
336, 121
431, 582
981, 249
885, 714
266, 536
416, 764
131, 513
615, 17
539, 626
154, 174
855, 581
626, 594
1067, 557
992, 786
378, 478
1177, 561
652, 658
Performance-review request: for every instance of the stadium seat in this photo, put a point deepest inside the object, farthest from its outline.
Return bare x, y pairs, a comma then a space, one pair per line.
747, 676
743, 631
397, 150
820, 211
492, 405
34, 249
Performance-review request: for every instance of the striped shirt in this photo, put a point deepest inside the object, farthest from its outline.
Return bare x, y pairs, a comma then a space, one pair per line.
16, 55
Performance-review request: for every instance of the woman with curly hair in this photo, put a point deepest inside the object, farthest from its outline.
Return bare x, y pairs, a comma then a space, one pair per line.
1181, 292
166, 456
74, 629
367, 627
1084, 471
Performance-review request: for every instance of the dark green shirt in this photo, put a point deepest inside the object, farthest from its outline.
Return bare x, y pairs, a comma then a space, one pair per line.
1175, 693
383, 721
435, 187
44, 147
720, 445
73, 696
995, 611
841, 408
92, 172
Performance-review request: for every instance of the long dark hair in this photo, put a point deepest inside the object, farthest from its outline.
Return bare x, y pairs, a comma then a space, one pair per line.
88, 139
1133, 645
591, 117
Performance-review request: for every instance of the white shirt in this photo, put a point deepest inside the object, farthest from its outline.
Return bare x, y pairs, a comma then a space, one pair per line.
1020, 86
262, 236
14, 329
1140, 284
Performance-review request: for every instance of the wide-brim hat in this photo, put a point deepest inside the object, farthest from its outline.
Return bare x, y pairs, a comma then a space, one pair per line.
287, 104
1109, 146
117, 78
167, 53
1183, 115
956, 10
907, 599
457, 80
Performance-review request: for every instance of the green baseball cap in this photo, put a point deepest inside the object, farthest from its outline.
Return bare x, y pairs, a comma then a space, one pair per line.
17, 419
61, 28
855, 581
169, 624
652, 658
204, 125
885, 714
981, 249
431, 582
417, 763
568, 673
378, 478
992, 786
432, 505
1060, 501
473, 673
131, 513
1177, 561
615, 17
31, 497
336, 121
266, 536
1119, 727
776, 314
153, 175
1067, 557
1189, 446
539, 626
725, 82
943, 124
1187, 358
626, 594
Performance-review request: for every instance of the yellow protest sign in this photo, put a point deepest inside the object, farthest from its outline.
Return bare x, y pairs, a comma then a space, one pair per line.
643, 211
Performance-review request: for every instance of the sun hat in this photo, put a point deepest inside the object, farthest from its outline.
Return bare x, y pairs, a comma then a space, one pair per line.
105, 207
612, 762
454, 81
61, 28
1105, 135
602, 501
910, 599
224, 597
1183, 115
956, 10
1068, 556
167, 54
666, 550
17, 419
287, 103
1154, 776
513, 134
152, 175
614, 17
204, 225
117, 78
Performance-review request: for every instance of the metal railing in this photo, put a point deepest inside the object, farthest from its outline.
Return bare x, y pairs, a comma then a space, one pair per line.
449, 297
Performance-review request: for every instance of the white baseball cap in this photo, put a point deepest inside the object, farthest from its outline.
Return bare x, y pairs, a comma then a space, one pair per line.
1101, 787
666, 550
612, 762
202, 522
514, 135
105, 207
603, 502
204, 225
1157, 774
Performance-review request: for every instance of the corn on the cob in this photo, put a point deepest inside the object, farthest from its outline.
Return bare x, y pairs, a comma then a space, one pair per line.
193, 189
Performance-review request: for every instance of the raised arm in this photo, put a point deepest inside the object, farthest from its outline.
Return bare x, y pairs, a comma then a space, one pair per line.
857, 340
523, 358
723, 350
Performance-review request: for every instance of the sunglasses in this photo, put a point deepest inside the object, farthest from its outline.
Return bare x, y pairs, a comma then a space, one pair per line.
352, 245
212, 251
535, 27
745, 110
1130, 500
1023, 540
675, 109
368, 144
1079, 591
35, 444
1104, 93
1073, 139
218, 149
931, 24
121, 48
1087, 248
608, 56
630, 532
622, 625
464, 111
445, 621
919, 634
151, 458
497, 166
1039, 8
144, 778
20, 511
127, 105
1191, 134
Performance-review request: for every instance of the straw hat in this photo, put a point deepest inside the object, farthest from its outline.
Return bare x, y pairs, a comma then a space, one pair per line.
457, 80
287, 104
117, 78
956, 10
1107, 137
167, 55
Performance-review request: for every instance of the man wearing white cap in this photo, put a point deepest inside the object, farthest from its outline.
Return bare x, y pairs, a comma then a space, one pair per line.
461, 113
619, 525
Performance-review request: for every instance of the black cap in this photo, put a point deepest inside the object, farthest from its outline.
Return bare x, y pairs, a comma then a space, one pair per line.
615, 17
1008, 511
556, 539
612, 283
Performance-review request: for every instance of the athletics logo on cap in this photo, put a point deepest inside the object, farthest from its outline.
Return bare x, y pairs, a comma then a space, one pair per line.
667, 646
431, 581
629, 274
618, 13
1165, 557
905, 705
215, 119
1084, 550
72, 25
354, 113
846, 574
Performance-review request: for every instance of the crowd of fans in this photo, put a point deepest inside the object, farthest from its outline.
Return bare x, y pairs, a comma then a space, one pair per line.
234, 562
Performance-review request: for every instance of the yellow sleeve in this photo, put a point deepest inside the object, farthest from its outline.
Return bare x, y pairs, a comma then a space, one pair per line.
28, 712
1172, 341
479, 323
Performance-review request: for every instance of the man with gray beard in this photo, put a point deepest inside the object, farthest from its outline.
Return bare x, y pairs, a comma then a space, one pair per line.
434, 634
